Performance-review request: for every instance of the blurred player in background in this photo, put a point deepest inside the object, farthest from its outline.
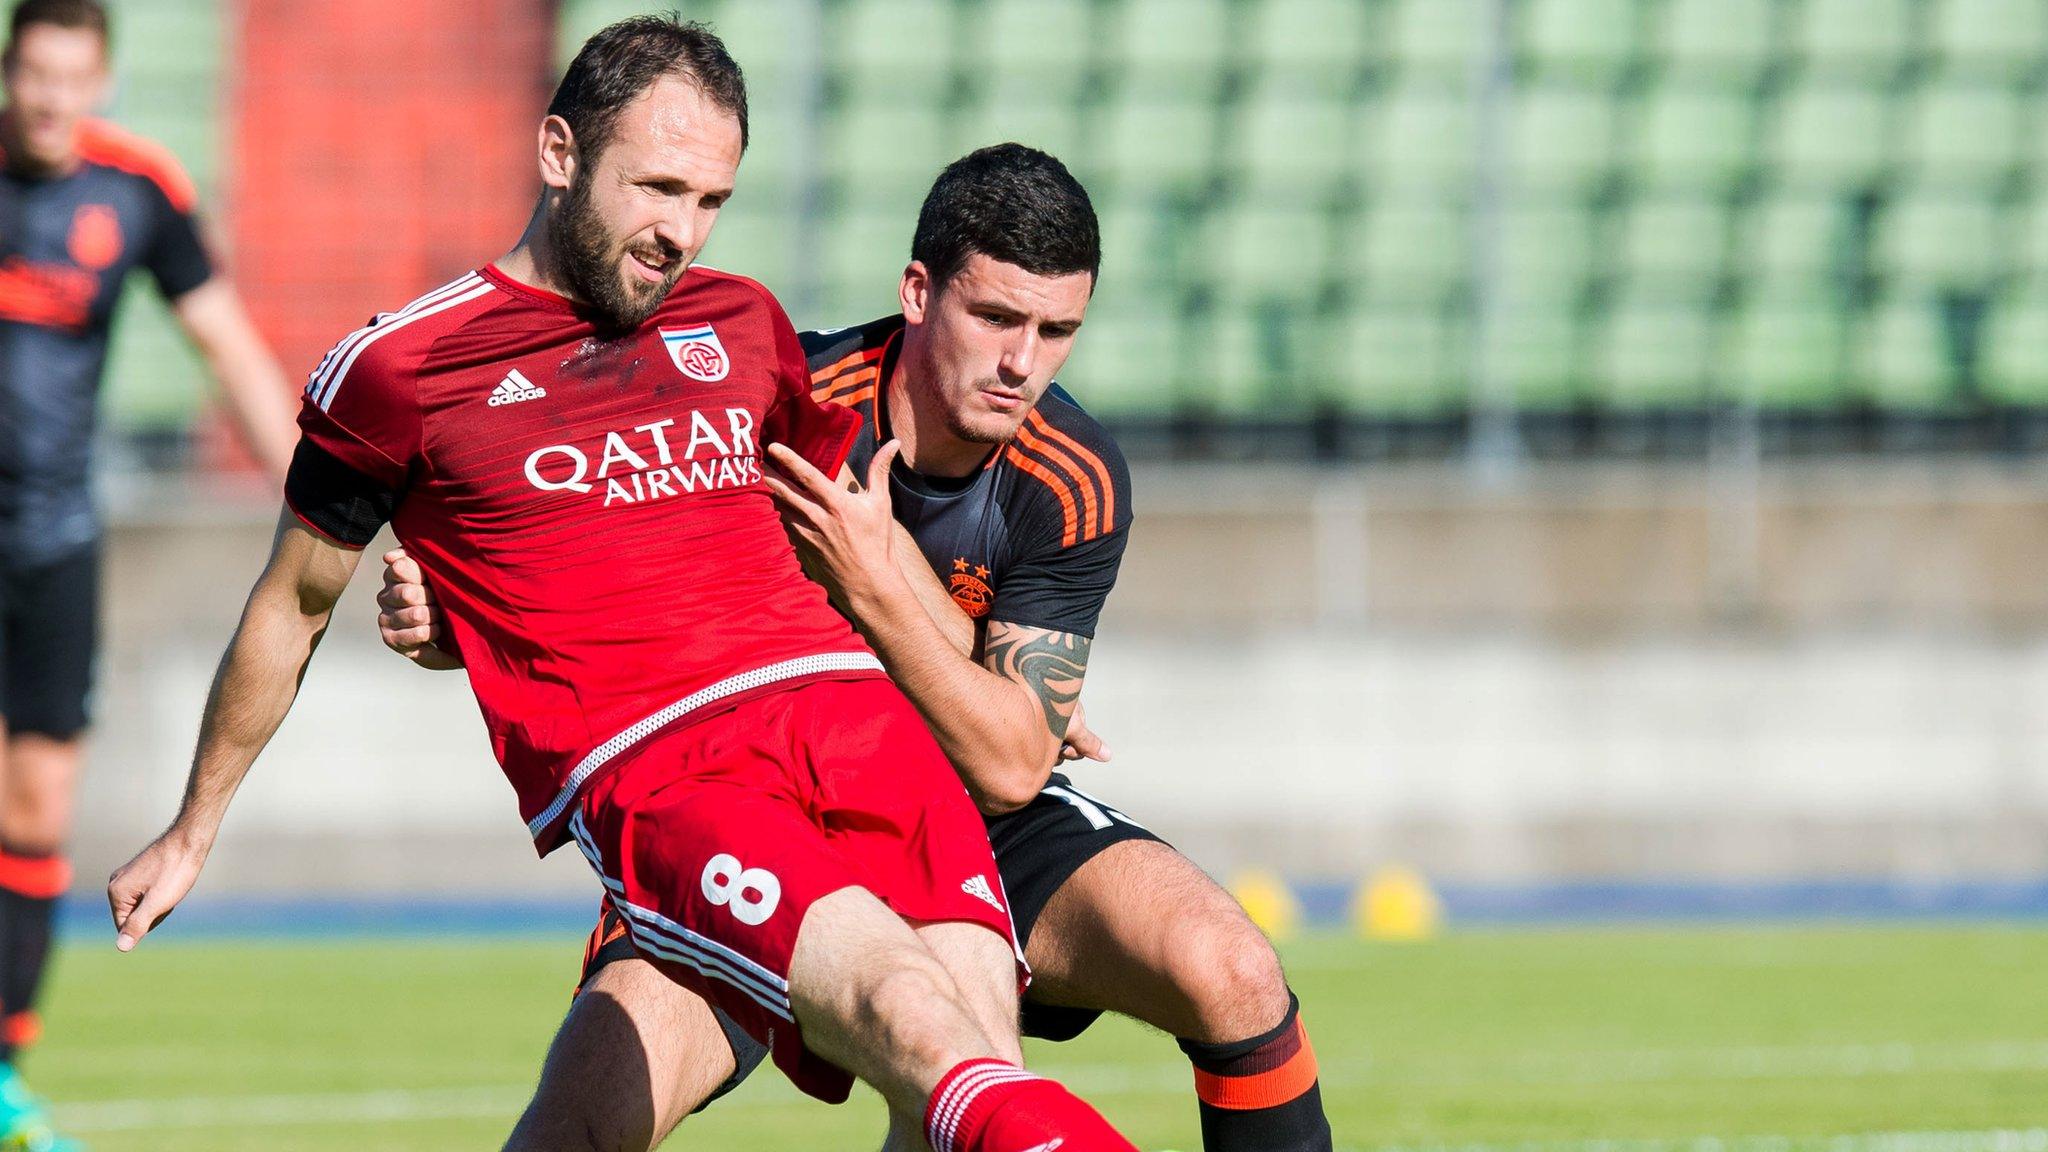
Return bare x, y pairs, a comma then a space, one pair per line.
1019, 502
82, 204
569, 441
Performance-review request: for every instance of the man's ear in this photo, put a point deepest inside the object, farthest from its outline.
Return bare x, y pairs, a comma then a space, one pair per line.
558, 156
916, 292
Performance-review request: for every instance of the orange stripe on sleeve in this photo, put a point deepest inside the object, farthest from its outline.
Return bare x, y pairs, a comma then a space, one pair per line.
1060, 488
838, 366
1088, 459
102, 143
1261, 1089
846, 385
1077, 477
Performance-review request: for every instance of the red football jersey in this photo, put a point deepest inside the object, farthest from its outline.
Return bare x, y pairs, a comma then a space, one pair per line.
590, 511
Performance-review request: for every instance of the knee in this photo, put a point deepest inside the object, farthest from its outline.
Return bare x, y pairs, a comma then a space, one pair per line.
1231, 979
908, 1002
35, 822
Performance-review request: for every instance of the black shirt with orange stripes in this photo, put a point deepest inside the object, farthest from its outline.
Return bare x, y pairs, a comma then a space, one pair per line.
67, 243
1036, 536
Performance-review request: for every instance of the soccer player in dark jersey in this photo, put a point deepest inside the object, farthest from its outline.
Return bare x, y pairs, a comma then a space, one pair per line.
1020, 503
570, 442
82, 204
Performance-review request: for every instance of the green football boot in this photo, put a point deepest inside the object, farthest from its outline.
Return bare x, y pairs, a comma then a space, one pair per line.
25, 1119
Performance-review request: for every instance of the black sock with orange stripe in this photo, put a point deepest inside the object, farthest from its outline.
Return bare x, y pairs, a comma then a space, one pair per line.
1261, 1094
29, 888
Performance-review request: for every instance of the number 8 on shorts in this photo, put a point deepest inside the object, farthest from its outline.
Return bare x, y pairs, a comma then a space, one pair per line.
752, 893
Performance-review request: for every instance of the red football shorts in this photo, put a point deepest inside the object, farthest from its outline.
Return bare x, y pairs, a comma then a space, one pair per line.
716, 839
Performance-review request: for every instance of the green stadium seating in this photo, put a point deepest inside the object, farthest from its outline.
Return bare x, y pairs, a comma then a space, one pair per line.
1443, 37
1939, 238
890, 36
1591, 39
1270, 252
1560, 138
1963, 134
885, 142
1258, 364
1830, 134
1674, 247
757, 32
1785, 349
1902, 358
1863, 38
1412, 250
1547, 251
1293, 142
862, 259
1173, 41
1725, 40
1154, 142
1124, 361
1396, 359
2015, 353
1142, 248
1029, 110
1651, 354
1322, 39
1031, 40
1992, 37
1533, 355
1694, 138
1794, 236
1420, 135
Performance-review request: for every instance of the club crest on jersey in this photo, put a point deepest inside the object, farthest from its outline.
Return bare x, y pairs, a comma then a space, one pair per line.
697, 353
969, 586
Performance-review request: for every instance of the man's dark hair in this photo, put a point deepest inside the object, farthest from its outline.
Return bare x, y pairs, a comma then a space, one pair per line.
619, 63
90, 15
1009, 203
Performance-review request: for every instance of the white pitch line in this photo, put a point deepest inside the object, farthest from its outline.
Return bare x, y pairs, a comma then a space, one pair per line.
1978, 1140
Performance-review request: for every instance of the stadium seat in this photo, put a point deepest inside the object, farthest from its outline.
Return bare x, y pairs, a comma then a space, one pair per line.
887, 143
1293, 142
1560, 138
1795, 236
1866, 38
1030, 39
1411, 250
1674, 247
864, 251
757, 32
1270, 252
1650, 354
1903, 360
1694, 138
1533, 354
1786, 350
754, 238
1262, 363
2015, 364
1547, 250
1125, 360
1319, 39
1724, 40
1935, 237
1963, 134
891, 35
1396, 359
1590, 39
1173, 41
1142, 247
1153, 141
1828, 135
1991, 37
1028, 110
1439, 37
1420, 135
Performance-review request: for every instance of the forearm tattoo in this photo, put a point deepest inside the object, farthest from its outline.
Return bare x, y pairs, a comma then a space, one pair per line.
1051, 664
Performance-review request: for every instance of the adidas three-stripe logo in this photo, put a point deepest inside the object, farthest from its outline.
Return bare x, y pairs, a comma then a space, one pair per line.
514, 388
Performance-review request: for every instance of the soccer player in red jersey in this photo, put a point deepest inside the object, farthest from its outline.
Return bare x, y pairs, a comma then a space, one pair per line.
83, 205
569, 442
1021, 502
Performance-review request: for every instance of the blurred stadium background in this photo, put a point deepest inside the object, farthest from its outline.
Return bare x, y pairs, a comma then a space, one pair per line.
1589, 452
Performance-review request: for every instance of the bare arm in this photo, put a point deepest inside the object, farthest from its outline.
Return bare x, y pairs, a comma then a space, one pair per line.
258, 678
999, 734
257, 394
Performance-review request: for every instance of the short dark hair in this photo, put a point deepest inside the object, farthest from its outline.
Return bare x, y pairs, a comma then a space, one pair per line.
1010, 203
90, 15
623, 60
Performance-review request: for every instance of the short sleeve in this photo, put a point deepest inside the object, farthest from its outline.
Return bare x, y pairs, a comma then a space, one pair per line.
362, 409
176, 256
1063, 589
823, 434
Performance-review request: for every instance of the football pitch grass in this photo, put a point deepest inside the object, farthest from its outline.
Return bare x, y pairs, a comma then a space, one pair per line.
1926, 1038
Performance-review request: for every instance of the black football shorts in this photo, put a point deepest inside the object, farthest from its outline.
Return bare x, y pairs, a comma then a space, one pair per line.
49, 640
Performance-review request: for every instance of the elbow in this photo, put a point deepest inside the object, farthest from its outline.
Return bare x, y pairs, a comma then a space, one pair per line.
998, 793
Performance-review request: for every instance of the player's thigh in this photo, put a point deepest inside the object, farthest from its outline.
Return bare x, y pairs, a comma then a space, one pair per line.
39, 792
1141, 931
984, 967
636, 1054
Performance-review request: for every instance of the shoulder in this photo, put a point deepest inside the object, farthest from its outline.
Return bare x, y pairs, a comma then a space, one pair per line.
846, 363
380, 358
718, 280
1072, 468
110, 146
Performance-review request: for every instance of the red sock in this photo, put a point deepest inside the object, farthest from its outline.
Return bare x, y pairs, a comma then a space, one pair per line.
990, 1106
